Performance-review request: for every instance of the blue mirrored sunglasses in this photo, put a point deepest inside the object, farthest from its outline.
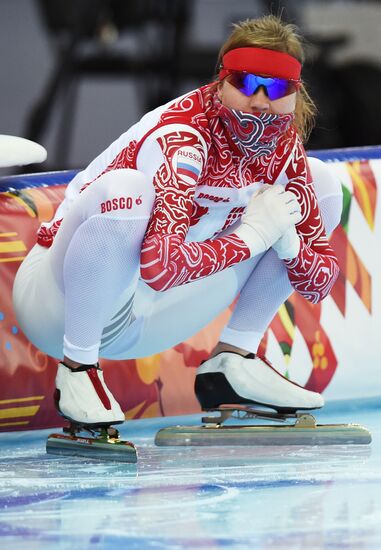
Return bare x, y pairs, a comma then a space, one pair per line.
275, 88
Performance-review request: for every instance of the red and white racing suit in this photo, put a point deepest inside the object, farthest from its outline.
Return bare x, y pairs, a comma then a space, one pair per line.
156, 211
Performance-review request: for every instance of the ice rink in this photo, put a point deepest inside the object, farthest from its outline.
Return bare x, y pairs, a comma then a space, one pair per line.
174, 498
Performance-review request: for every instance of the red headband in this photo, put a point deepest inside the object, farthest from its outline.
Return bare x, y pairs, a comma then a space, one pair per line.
261, 61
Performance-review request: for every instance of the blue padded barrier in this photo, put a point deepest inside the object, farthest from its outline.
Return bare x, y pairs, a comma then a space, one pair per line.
41, 179
349, 154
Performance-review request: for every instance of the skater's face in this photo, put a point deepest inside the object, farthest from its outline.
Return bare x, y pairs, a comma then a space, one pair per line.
257, 102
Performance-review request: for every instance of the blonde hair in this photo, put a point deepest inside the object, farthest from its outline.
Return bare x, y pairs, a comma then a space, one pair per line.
272, 33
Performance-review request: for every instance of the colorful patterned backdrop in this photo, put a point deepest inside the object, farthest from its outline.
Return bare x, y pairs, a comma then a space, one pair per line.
310, 343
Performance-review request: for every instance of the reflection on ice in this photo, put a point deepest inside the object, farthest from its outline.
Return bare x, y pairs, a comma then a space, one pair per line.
270, 497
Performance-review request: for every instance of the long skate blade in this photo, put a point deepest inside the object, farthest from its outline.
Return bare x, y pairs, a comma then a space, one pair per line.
89, 447
329, 434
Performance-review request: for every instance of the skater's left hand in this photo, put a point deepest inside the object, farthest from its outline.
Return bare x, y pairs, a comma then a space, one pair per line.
287, 247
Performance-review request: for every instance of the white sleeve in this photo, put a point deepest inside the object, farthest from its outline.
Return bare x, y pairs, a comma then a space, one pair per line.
150, 158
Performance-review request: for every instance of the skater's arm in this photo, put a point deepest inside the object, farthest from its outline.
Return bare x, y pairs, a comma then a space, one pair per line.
315, 269
167, 260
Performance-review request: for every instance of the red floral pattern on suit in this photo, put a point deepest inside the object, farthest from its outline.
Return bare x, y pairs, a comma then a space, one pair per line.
315, 269
46, 235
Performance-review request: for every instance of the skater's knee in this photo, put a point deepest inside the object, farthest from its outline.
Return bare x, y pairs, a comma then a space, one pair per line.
328, 191
123, 193
325, 182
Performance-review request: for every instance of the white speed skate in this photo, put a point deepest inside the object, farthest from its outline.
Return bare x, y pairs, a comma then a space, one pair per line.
231, 378
83, 398
232, 387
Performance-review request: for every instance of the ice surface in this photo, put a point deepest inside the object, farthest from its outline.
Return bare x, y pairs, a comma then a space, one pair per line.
175, 498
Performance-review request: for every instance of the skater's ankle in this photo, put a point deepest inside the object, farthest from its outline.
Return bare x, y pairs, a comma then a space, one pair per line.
70, 363
224, 347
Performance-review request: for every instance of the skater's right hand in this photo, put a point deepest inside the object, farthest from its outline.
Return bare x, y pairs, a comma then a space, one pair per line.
269, 214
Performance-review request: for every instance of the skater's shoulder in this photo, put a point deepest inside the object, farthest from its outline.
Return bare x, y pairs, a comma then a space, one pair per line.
190, 109
181, 121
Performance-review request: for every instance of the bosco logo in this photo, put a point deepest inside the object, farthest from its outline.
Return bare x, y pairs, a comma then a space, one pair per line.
120, 203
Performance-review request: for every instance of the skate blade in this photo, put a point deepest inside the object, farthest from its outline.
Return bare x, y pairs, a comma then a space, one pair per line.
91, 447
329, 434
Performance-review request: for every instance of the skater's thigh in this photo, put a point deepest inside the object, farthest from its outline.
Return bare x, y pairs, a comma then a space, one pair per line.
167, 318
124, 194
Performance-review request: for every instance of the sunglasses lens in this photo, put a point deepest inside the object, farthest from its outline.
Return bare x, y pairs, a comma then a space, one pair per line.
275, 88
240, 81
278, 88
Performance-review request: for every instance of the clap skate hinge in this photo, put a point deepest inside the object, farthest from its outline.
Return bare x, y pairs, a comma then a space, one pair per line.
302, 420
102, 432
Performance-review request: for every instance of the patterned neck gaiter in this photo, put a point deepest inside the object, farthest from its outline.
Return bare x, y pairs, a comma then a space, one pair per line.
254, 134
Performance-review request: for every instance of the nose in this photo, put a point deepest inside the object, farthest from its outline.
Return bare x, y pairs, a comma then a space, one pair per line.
259, 100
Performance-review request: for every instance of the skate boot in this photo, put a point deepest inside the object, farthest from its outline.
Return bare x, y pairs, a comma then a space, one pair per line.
83, 398
230, 378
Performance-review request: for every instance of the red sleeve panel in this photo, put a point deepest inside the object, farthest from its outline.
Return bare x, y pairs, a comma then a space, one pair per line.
315, 269
167, 260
